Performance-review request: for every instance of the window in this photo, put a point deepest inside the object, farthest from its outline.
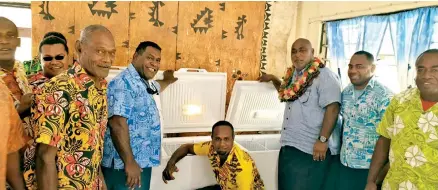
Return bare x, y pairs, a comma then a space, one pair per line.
22, 17
386, 66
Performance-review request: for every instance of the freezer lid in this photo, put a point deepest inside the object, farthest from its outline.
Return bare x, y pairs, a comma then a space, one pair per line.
254, 106
194, 102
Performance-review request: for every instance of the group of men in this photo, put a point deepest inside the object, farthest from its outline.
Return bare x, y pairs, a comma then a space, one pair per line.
331, 138
380, 137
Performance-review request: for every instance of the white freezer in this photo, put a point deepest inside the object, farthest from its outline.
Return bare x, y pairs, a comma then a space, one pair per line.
197, 101
255, 106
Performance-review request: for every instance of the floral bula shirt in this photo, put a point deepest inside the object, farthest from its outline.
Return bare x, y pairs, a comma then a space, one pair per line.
70, 113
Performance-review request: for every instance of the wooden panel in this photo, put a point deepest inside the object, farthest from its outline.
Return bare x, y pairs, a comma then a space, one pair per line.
114, 16
155, 21
199, 35
51, 16
241, 49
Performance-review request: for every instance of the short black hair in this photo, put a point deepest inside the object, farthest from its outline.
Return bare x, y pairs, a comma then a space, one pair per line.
368, 55
57, 34
54, 38
143, 45
222, 123
419, 58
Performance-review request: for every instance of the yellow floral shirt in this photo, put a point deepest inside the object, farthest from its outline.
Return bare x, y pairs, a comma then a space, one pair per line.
239, 171
71, 114
413, 154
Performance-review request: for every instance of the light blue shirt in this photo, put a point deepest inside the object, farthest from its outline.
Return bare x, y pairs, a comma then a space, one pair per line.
127, 97
362, 113
303, 117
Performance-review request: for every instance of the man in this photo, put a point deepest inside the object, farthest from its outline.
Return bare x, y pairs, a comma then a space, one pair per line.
11, 140
73, 117
232, 166
12, 72
133, 141
313, 95
408, 130
364, 102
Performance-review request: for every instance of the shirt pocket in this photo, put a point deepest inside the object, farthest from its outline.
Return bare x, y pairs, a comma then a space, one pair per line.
310, 109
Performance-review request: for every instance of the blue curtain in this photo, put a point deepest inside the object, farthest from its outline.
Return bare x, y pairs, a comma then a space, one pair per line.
411, 34
346, 37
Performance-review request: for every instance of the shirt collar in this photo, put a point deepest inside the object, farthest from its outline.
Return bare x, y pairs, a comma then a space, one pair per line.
82, 77
134, 73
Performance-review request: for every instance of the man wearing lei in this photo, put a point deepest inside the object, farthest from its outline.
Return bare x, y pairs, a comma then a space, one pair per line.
312, 94
12, 72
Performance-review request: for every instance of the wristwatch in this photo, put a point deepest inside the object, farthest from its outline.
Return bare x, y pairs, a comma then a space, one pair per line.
322, 139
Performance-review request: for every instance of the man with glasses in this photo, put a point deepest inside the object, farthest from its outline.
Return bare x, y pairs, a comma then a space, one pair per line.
133, 141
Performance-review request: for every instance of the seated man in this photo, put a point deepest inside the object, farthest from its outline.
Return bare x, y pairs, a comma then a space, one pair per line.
232, 166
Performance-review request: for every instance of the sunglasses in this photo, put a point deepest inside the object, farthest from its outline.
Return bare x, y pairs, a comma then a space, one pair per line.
58, 57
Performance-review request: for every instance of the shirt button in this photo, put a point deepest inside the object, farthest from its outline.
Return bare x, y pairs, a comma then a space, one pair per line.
284, 128
289, 107
287, 118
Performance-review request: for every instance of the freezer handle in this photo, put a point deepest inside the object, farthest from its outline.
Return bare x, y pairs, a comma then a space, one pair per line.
192, 70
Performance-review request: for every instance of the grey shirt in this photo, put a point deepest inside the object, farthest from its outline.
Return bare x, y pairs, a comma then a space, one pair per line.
303, 117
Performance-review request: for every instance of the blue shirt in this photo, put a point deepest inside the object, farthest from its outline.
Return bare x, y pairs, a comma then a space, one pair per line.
361, 116
128, 98
303, 117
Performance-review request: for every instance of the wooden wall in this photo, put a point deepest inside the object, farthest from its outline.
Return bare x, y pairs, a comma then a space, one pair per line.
216, 36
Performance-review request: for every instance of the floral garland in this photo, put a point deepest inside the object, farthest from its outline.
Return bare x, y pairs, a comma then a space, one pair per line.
291, 90
20, 76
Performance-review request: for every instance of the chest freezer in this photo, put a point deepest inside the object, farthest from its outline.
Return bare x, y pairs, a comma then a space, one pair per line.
192, 104
255, 106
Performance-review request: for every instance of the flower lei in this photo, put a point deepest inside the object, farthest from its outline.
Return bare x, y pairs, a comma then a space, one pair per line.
291, 90
20, 76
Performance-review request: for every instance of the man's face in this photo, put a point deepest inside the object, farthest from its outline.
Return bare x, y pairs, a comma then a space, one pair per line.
360, 70
302, 54
148, 63
222, 139
9, 40
53, 59
97, 54
427, 74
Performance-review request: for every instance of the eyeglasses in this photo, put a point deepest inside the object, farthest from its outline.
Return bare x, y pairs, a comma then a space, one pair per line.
58, 57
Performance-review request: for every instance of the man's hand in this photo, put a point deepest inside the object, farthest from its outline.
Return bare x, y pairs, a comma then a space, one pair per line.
265, 78
168, 172
169, 77
133, 174
319, 151
371, 186
25, 103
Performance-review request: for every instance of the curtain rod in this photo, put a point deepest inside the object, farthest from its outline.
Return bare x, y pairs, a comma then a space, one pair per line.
321, 18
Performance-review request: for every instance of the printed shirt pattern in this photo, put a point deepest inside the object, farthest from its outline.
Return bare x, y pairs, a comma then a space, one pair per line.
239, 171
36, 82
71, 114
128, 98
361, 117
414, 143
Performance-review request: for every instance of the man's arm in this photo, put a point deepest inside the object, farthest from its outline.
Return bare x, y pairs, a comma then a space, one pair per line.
179, 154
329, 91
168, 78
13, 171
379, 159
46, 173
328, 124
120, 136
269, 77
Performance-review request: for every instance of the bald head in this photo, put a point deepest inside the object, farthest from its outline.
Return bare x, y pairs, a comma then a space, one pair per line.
302, 53
9, 42
87, 32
